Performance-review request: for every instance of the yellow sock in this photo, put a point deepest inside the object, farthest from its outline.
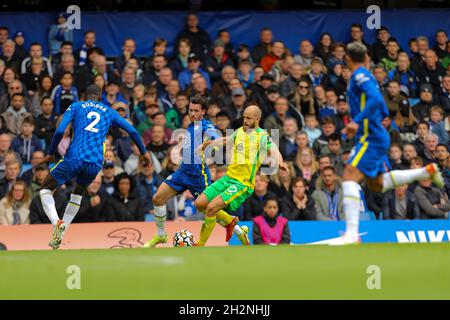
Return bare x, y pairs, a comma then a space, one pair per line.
207, 227
224, 218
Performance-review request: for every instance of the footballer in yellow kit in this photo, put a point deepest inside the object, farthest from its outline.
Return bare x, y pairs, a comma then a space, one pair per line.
251, 145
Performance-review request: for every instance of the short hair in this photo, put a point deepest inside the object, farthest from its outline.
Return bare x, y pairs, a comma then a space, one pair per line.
328, 120
46, 98
425, 123
89, 31
439, 31
437, 108
329, 168
270, 198
185, 40
19, 94
296, 180
310, 115
222, 31
442, 145
201, 100
422, 38
28, 120
93, 92
4, 28
411, 41
159, 41
64, 74
334, 137
66, 43
357, 25
419, 160
223, 114
33, 44
357, 52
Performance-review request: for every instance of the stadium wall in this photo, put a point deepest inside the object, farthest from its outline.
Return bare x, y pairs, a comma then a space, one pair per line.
134, 234
244, 27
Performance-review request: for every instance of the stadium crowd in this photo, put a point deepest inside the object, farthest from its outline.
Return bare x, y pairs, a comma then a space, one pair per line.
300, 93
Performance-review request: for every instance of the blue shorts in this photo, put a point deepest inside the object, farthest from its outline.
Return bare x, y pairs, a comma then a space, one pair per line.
84, 172
369, 158
181, 182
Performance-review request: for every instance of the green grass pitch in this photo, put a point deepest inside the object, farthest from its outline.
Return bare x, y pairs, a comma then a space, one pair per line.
408, 271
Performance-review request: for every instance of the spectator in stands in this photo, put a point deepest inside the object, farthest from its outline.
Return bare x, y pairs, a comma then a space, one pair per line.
65, 48
129, 81
217, 60
27, 176
288, 147
431, 142
404, 75
381, 76
277, 52
311, 129
245, 73
38, 174
320, 145
80, 74
444, 96
158, 146
9, 56
44, 90
243, 54
15, 206
36, 52
270, 228
108, 177
175, 115
14, 116
297, 205
357, 35
288, 86
198, 87
236, 109
409, 153
58, 33
46, 121
437, 124
264, 46
27, 142
303, 100
432, 72
12, 172
306, 164
422, 109
443, 157
432, 201
337, 56
318, 73
158, 119
400, 204
441, 44
89, 43
389, 62
185, 77
254, 205
150, 110
179, 61
64, 94
306, 54
33, 76
392, 97
277, 118
379, 47
324, 47
336, 152
5, 145
280, 69
148, 182
328, 197
93, 206
422, 131
329, 109
7, 75
15, 86
199, 38
125, 204
112, 94
4, 34
128, 50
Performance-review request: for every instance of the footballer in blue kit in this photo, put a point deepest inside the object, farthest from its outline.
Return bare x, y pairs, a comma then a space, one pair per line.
192, 175
83, 160
368, 159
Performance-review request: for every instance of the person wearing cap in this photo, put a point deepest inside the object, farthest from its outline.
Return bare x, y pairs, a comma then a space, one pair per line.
58, 33
112, 94
19, 39
342, 116
199, 38
276, 53
185, 77
108, 174
422, 109
432, 71
236, 109
39, 173
216, 60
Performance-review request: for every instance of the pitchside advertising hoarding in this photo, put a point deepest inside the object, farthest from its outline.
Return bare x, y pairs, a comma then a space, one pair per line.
135, 234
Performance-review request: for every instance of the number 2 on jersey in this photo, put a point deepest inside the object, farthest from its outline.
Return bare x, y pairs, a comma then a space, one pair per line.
91, 126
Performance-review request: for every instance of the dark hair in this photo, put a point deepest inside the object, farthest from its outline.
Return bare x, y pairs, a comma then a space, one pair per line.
223, 114
327, 120
29, 120
296, 180
93, 92
222, 31
411, 41
439, 31
335, 137
357, 25
4, 28
45, 98
265, 29
270, 198
89, 31
186, 40
122, 176
18, 94
442, 145
159, 41
329, 168
35, 44
391, 39
242, 47
201, 100
65, 73
66, 43
326, 155
159, 55
97, 50
425, 123
395, 81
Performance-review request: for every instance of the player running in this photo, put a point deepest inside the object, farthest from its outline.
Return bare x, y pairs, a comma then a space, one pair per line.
83, 160
251, 144
368, 159
192, 175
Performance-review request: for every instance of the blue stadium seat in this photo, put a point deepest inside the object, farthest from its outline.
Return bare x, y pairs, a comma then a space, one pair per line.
367, 216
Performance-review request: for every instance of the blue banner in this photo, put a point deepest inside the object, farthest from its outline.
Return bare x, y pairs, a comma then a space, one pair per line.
244, 27
400, 231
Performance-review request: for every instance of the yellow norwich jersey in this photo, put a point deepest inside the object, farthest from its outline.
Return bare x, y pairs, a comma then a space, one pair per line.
249, 151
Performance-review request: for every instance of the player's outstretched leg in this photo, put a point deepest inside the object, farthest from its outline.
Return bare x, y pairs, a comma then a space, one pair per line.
163, 194
74, 205
48, 204
397, 178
